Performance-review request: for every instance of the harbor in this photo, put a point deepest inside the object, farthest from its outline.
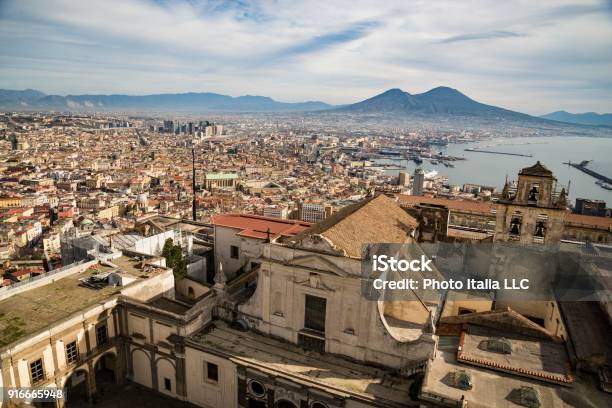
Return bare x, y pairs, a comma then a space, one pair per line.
602, 181
488, 169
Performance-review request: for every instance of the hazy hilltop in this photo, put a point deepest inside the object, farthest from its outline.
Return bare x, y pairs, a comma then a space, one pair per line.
441, 103
192, 101
19, 98
587, 118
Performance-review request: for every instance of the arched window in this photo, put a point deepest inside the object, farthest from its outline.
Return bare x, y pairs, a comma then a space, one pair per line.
540, 227
515, 224
533, 193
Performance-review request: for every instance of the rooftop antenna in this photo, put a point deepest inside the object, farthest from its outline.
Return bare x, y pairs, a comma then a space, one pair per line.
193, 184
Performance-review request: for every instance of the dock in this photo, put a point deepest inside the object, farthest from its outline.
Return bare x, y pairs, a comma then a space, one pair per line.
582, 166
471, 149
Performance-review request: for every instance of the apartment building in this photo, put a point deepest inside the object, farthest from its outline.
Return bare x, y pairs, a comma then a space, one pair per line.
312, 212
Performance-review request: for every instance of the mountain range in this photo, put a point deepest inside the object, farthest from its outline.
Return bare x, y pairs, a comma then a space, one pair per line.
435, 102
587, 118
30, 99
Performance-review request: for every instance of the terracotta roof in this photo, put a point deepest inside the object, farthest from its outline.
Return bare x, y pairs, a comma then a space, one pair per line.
599, 222
467, 234
375, 220
537, 169
255, 226
457, 205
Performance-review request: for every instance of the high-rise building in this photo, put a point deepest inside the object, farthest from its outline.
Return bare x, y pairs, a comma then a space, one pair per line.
417, 182
213, 130
404, 179
168, 126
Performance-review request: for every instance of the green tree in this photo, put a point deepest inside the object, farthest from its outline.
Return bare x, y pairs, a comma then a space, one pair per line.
174, 259
167, 251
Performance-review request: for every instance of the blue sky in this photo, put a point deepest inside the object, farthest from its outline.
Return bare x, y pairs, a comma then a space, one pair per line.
531, 56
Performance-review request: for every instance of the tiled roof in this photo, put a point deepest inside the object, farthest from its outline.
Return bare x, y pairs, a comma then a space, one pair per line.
457, 205
599, 222
255, 226
375, 220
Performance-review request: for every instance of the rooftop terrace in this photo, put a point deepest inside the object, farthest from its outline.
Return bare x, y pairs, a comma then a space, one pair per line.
27, 312
324, 371
537, 359
496, 389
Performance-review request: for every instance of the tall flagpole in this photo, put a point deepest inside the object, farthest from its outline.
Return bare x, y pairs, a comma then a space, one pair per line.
193, 184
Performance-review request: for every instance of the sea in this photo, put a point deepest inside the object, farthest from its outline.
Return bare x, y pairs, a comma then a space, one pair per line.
491, 169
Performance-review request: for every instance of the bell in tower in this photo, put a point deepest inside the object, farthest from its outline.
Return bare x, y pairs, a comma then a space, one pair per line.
535, 186
515, 226
533, 194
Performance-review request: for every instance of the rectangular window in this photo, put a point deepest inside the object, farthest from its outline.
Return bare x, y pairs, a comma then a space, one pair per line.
311, 343
167, 384
234, 252
465, 310
314, 313
211, 372
101, 335
36, 371
72, 352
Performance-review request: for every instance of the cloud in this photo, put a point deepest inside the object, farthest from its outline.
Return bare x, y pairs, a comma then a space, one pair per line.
482, 36
321, 42
523, 55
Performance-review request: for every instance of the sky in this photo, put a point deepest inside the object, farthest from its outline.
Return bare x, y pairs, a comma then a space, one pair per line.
530, 56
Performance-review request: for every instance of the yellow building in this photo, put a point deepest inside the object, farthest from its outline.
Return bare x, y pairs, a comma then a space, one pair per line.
10, 202
108, 212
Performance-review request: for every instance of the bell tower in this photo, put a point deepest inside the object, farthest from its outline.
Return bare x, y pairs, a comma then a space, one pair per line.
535, 212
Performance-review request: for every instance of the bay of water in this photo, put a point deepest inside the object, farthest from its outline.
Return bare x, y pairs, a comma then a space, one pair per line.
491, 169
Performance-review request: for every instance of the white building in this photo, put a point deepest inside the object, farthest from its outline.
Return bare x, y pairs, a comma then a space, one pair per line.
312, 212
239, 238
276, 211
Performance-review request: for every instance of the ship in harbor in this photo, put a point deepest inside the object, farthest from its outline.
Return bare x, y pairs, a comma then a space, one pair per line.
430, 174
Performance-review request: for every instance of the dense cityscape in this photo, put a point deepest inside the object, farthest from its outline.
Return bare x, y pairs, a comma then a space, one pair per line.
91, 199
